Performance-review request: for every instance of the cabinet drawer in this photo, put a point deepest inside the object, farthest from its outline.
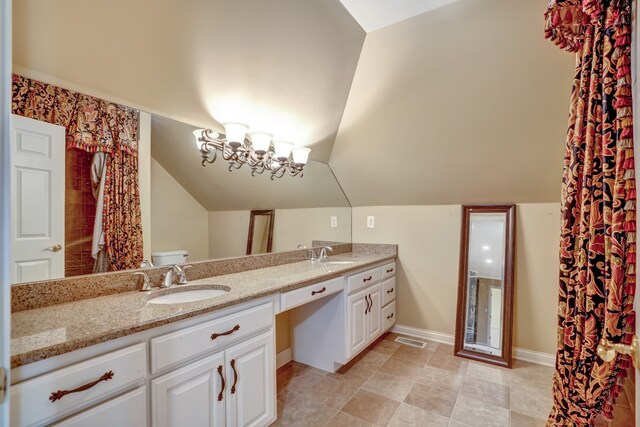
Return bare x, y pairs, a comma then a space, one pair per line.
389, 315
175, 347
32, 401
388, 291
388, 270
127, 410
309, 293
362, 280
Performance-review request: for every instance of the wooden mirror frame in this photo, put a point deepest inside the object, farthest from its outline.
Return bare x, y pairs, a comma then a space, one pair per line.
505, 359
271, 214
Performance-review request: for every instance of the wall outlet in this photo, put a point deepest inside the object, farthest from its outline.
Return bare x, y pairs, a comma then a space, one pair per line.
370, 222
334, 222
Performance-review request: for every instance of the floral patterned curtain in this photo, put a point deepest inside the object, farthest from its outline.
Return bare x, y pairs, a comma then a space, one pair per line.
598, 239
96, 125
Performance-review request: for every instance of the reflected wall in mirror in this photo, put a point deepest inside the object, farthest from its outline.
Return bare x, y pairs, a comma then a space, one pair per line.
260, 238
485, 290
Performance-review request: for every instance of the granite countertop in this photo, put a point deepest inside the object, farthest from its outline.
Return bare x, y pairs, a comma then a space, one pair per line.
46, 332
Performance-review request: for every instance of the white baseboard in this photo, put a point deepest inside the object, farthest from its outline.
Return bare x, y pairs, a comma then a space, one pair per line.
537, 357
424, 334
283, 358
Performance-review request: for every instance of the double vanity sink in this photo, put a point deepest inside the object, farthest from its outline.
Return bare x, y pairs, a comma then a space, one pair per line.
204, 350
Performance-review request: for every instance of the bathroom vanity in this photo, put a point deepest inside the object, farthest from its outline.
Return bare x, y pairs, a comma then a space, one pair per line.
121, 360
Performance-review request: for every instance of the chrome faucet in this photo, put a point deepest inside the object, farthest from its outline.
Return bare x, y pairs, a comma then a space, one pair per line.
167, 279
146, 264
179, 272
146, 284
312, 252
323, 252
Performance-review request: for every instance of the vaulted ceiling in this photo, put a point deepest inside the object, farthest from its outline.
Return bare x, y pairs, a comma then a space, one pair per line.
455, 102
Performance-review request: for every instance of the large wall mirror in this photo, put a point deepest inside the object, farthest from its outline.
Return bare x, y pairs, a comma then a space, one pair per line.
485, 290
203, 211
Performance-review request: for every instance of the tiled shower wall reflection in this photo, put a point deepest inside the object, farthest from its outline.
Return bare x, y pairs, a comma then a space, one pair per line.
80, 212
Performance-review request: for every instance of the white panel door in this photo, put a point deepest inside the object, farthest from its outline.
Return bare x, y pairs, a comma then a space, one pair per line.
37, 200
374, 317
495, 316
356, 322
251, 372
192, 396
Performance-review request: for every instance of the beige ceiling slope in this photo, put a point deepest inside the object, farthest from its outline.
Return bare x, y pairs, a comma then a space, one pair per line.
284, 66
464, 104
217, 189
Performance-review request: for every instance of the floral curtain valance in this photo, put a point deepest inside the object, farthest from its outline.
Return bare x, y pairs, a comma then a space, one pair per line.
597, 279
92, 124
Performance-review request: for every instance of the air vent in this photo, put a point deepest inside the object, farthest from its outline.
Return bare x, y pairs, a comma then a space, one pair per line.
411, 342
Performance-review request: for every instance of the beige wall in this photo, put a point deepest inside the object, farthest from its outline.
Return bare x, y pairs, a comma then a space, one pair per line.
428, 239
178, 221
228, 229
283, 332
465, 104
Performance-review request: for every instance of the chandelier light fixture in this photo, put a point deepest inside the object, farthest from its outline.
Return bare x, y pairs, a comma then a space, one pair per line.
258, 151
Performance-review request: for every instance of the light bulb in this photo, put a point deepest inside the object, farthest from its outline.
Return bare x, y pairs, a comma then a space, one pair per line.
300, 155
261, 142
235, 133
282, 150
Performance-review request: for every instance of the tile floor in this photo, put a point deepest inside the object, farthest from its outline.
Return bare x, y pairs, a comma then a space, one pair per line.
391, 384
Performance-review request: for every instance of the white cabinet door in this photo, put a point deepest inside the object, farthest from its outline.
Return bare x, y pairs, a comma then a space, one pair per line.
128, 410
374, 316
37, 200
192, 396
251, 382
357, 305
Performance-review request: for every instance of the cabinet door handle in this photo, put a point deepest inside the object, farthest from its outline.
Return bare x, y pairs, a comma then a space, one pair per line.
62, 393
235, 376
390, 290
366, 279
369, 303
390, 270
390, 316
222, 380
229, 332
318, 292
366, 309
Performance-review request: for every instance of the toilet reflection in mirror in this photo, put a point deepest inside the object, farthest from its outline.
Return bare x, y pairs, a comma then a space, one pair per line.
485, 294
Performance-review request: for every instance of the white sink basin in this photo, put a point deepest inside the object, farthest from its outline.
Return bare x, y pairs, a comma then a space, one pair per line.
181, 297
339, 262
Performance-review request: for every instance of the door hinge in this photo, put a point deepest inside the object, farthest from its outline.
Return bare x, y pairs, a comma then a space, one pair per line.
3, 384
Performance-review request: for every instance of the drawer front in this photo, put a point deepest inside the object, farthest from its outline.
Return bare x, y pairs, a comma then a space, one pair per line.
388, 270
389, 315
175, 347
127, 410
388, 291
32, 401
363, 280
310, 293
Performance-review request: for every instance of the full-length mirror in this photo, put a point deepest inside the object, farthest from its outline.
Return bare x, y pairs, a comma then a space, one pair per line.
260, 238
485, 292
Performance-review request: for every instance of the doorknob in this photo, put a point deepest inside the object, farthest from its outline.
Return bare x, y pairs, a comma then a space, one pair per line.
607, 350
54, 248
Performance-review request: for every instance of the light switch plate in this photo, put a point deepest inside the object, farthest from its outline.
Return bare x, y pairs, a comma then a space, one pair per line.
334, 222
370, 222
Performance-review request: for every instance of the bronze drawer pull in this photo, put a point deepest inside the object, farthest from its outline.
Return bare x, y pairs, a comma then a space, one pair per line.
62, 393
221, 379
318, 292
366, 279
235, 376
390, 290
390, 270
229, 332
390, 316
